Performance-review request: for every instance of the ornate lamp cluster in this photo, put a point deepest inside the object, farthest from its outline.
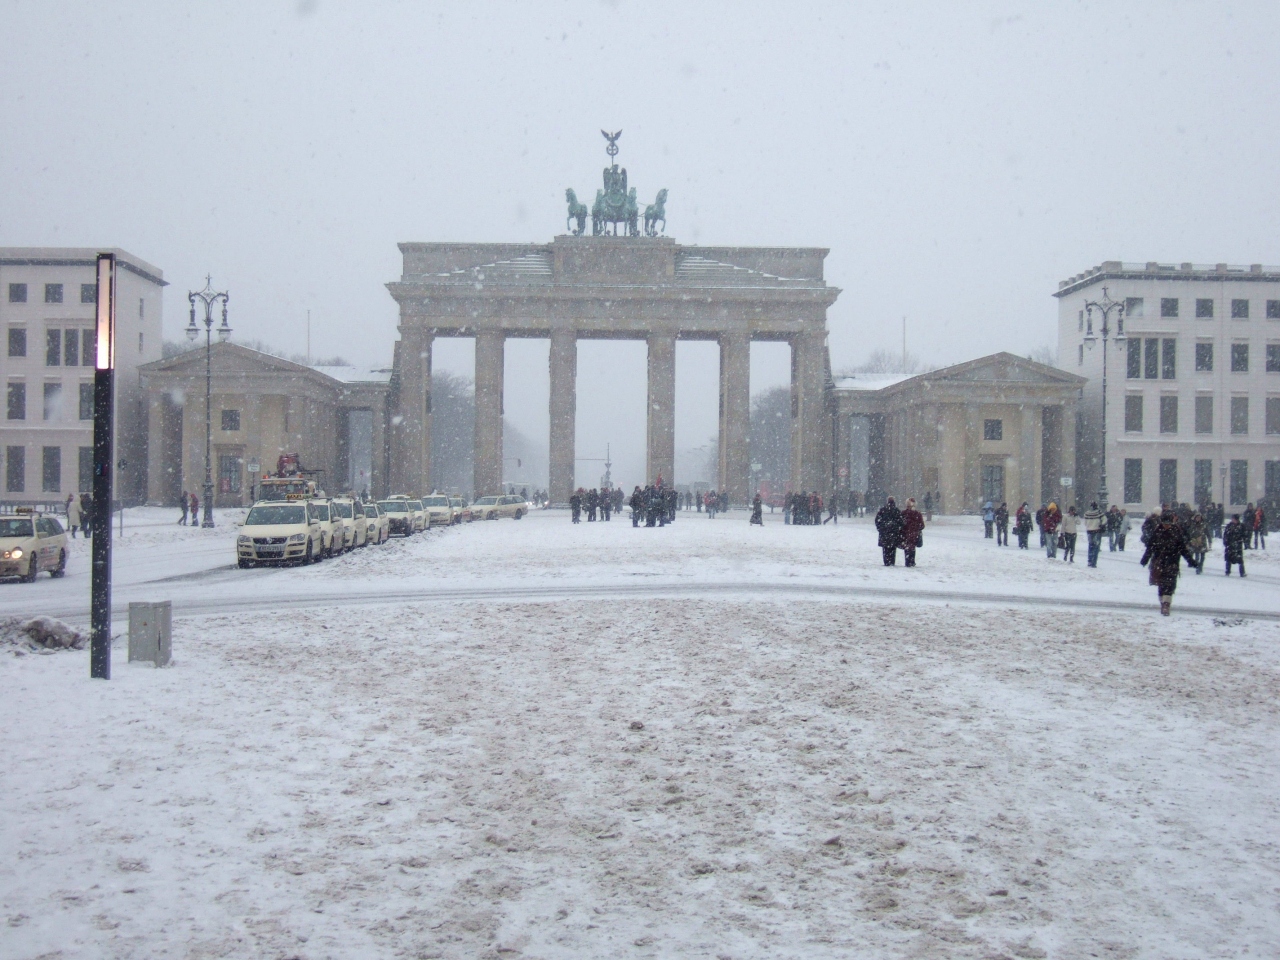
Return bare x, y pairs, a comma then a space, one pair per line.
1105, 308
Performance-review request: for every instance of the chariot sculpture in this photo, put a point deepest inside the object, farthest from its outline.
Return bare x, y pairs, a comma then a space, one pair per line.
615, 209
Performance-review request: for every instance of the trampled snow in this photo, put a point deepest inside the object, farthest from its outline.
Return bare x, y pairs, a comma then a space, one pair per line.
533, 739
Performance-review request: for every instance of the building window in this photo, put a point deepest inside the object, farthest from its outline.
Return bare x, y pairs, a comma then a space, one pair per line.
1168, 481
1133, 481
18, 294
1239, 358
52, 348
1204, 414
1240, 416
1133, 368
53, 401
86, 401
1238, 479
230, 419
17, 401
1204, 311
1168, 414
86, 469
992, 429
17, 341
1133, 306
1080, 323
1151, 363
1271, 480
51, 470
1204, 358
71, 348
1273, 358
15, 469
1133, 413
1273, 416
1169, 359
142, 308
1239, 309
87, 340
140, 342
88, 293
1168, 306
53, 293
1080, 355
1203, 492
229, 473
1273, 309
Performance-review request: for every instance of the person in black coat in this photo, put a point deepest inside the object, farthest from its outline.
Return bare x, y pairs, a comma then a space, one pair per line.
1166, 549
575, 504
1233, 535
889, 526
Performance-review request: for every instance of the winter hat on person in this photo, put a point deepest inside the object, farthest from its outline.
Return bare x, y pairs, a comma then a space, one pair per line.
890, 502
1052, 505
1155, 511
911, 501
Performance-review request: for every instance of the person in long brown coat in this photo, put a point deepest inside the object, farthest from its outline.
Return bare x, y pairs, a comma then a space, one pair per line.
1166, 548
912, 528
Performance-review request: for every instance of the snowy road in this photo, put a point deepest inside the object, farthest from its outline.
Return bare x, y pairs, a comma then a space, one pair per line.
708, 742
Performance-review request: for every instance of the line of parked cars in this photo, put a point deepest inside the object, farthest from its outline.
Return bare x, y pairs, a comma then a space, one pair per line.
304, 526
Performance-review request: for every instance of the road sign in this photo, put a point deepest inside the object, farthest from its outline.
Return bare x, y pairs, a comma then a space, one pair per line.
844, 473
253, 466
756, 467
1067, 481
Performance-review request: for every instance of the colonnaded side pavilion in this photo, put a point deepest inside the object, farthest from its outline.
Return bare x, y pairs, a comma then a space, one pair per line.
613, 287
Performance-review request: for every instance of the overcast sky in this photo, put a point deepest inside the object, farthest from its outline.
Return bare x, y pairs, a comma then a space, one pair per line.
958, 159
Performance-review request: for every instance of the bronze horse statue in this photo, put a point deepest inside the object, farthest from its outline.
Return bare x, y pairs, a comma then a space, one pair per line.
577, 211
654, 212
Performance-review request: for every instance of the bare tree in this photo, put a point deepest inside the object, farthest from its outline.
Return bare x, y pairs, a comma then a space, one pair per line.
889, 361
1045, 354
771, 435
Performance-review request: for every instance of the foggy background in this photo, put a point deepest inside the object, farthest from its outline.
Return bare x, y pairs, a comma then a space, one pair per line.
957, 159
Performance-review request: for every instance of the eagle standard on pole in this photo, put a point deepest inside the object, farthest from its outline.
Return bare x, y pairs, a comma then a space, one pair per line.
103, 430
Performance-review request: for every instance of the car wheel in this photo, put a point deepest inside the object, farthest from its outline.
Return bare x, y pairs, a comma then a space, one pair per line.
309, 557
519, 514
61, 569
32, 569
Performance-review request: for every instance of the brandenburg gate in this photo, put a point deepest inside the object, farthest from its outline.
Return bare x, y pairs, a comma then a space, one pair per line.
613, 284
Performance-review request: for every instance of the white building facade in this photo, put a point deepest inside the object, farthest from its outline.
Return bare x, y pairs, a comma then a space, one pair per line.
47, 303
1193, 393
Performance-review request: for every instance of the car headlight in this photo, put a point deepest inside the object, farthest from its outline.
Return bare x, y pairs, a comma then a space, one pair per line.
244, 541
15, 554
297, 538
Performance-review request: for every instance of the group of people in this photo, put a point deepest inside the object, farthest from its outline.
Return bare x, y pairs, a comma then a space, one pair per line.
655, 504
805, 509
900, 530
80, 514
1172, 536
189, 503
604, 502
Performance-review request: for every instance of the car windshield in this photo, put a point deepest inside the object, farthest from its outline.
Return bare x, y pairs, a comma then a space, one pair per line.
436, 501
342, 510
15, 528
320, 511
263, 516
394, 506
370, 510
486, 501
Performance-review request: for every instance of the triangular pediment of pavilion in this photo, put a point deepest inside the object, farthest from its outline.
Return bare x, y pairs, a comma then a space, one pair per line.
998, 368
228, 358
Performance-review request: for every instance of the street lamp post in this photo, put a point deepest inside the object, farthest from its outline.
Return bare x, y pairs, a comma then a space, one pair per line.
208, 298
1106, 306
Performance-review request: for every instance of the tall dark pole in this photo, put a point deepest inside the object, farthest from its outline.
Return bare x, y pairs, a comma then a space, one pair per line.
1106, 306
100, 516
208, 298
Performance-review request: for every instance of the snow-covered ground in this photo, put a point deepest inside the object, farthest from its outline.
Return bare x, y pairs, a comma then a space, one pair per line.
530, 739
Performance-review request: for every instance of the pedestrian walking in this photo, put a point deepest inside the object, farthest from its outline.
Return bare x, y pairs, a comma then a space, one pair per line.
1166, 548
1069, 527
912, 532
1260, 528
195, 509
1233, 544
1197, 541
1094, 521
757, 511
988, 518
928, 507
1002, 525
1022, 525
1247, 520
575, 505
889, 527
86, 515
73, 514
1112, 526
637, 505
1123, 526
185, 503
1040, 523
1049, 529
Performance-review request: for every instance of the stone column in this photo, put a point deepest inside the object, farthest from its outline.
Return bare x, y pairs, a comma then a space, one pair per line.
414, 470
155, 447
490, 360
972, 458
378, 466
1070, 468
1029, 444
660, 430
809, 469
735, 417
563, 361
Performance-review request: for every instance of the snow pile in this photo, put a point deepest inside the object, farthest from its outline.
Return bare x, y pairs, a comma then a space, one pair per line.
43, 634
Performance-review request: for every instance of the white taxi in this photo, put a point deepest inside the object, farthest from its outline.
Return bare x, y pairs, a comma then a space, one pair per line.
354, 530
379, 528
278, 531
399, 516
439, 512
492, 508
30, 543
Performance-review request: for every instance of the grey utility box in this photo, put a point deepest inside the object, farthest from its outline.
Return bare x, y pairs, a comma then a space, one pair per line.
151, 632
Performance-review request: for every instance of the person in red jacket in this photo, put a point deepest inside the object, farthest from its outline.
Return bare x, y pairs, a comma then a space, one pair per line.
1052, 518
912, 528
